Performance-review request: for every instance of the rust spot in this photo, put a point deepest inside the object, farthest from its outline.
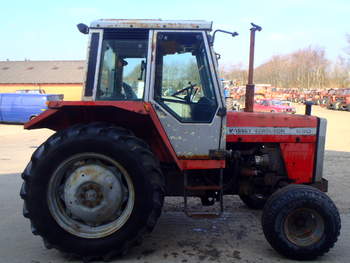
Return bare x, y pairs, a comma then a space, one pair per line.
147, 107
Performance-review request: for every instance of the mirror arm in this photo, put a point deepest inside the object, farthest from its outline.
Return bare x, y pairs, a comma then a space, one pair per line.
233, 34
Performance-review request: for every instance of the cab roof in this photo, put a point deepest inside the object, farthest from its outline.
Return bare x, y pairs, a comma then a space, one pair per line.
152, 24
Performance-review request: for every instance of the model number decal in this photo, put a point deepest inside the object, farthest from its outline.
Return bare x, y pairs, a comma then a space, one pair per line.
270, 131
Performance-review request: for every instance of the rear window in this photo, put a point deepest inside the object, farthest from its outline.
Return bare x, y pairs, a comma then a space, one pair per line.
55, 97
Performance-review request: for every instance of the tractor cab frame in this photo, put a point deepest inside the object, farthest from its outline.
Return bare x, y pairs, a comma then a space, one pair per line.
175, 70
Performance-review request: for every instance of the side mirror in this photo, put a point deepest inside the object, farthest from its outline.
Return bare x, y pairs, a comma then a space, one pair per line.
83, 28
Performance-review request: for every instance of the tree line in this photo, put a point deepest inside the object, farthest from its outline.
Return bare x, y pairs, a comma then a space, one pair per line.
307, 68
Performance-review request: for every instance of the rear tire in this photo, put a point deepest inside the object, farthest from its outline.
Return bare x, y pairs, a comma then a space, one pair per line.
66, 217
301, 222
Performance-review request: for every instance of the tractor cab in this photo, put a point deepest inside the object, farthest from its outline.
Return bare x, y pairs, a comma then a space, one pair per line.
169, 64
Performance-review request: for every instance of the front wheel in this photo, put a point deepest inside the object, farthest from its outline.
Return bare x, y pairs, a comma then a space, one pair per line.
92, 191
301, 222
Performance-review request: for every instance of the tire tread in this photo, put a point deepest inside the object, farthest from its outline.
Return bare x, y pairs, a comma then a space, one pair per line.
117, 134
286, 197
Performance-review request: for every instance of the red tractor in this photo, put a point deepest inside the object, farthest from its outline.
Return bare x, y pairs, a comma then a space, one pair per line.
338, 99
343, 98
152, 123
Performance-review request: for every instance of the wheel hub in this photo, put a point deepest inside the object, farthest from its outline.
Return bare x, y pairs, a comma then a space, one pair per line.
304, 227
94, 194
90, 195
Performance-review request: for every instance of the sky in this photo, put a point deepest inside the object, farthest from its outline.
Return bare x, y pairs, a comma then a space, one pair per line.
46, 30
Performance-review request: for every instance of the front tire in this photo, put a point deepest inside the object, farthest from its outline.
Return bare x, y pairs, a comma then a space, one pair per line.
92, 191
301, 222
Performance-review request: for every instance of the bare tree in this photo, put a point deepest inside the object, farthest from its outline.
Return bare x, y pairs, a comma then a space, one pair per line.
303, 69
236, 73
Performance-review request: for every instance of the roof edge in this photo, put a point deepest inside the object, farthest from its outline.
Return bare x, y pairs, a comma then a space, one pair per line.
152, 24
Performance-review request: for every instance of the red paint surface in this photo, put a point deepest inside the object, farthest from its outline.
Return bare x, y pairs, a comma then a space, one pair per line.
201, 164
39, 119
299, 161
133, 106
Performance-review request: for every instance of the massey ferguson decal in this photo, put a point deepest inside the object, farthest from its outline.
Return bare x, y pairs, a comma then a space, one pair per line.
270, 131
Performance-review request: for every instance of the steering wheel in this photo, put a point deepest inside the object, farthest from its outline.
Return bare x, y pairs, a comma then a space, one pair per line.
190, 90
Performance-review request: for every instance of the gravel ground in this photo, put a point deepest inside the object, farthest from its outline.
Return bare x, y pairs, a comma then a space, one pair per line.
235, 237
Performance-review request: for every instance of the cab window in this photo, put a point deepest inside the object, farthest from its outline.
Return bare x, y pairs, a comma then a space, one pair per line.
123, 66
183, 84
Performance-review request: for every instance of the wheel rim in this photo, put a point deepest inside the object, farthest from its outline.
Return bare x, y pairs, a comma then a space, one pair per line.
304, 227
90, 195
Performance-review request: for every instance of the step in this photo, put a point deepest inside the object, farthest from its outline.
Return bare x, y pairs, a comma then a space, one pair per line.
200, 214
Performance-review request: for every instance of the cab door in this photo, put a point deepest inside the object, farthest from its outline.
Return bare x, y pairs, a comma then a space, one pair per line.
186, 94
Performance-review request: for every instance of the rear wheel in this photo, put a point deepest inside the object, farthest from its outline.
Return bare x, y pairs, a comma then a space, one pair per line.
92, 191
301, 222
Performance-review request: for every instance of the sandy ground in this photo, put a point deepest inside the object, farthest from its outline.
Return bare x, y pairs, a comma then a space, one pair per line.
235, 237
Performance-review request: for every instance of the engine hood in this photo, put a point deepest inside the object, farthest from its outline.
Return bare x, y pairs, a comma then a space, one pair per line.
270, 127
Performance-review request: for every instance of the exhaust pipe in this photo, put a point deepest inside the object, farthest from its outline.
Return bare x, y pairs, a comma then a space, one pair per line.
250, 87
308, 105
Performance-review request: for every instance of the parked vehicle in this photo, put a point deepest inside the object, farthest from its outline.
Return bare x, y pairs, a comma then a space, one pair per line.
273, 106
22, 107
344, 99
